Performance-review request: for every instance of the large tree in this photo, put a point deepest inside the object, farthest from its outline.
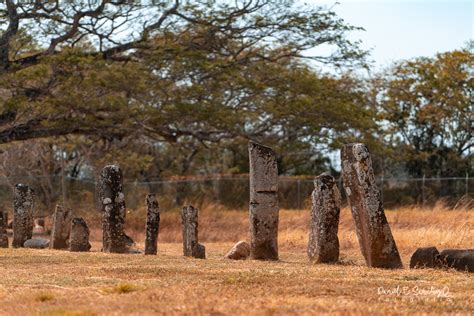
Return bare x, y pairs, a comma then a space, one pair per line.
94, 67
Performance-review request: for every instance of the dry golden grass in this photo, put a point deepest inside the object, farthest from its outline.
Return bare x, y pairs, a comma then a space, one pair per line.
48, 282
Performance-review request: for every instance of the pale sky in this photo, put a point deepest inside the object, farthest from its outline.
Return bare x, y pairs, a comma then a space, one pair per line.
401, 29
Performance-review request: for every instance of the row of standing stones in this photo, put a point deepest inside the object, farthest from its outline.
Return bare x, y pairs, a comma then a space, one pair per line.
373, 231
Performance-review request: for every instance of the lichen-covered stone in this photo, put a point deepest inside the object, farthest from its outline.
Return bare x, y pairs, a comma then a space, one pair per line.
23, 205
240, 251
3, 229
36, 243
426, 257
79, 237
459, 259
263, 206
61, 228
191, 246
374, 234
323, 245
112, 200
152, 225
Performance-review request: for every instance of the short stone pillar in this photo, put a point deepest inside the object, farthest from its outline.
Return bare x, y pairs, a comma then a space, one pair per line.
263, 206
191, 246
323, 245
152, 224
61, 228
79, 238
3, 229
112, 200
374, 234
23, 222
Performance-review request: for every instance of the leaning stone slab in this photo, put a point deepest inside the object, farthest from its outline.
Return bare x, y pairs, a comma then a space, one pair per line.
152, 225
61, 228
112, 200
240, 251
79, 237
374, 234
323, 245
191, 246
263, 206
427, 257
459, 259
36, 243
3, 229
23, 204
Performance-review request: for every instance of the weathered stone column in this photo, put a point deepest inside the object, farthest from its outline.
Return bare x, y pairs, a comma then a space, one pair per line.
61, 228
113, 211
191, 246
323, 245
3, 229
263, 203
152, 224
79, 239
23, 204
374, 234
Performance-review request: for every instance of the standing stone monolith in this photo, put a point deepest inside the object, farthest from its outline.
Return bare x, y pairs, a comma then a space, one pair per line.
374, 234
112, 200
23, 204
323, 245
191, 246
61, 228
263, 206
3, 229
152, 224
79, 238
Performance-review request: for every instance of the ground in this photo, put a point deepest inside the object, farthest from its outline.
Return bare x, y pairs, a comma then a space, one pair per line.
53, 282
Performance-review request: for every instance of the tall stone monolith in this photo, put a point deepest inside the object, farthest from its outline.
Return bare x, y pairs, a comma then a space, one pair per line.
152, 225
61, 228
191, 246
323, 245
79, 238
263, 206
3, 229
374, 234
23, 222
112, 200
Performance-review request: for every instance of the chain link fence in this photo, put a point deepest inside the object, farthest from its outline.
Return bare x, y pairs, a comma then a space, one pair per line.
231, 192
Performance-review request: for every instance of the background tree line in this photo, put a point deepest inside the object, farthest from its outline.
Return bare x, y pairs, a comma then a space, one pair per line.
168, 88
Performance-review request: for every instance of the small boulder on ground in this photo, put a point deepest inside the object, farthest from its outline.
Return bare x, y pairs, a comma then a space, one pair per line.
37, 243
459, 259
240, 251
426, 257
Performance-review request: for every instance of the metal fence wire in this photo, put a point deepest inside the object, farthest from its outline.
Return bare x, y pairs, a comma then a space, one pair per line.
231, 192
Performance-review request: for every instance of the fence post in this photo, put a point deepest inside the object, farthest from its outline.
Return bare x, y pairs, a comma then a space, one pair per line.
298, 185
423, 191
467, 183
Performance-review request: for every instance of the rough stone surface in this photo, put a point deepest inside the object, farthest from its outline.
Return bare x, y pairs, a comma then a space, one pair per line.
37, 243
3, 229
191, 246
23, 204
79, 237
240, 251
459, 259
374, 234
112, 200
152, 224
426, 257
263, 208
323, 245
61, 228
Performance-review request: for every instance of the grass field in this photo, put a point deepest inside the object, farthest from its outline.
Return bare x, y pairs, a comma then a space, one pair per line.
47, 282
